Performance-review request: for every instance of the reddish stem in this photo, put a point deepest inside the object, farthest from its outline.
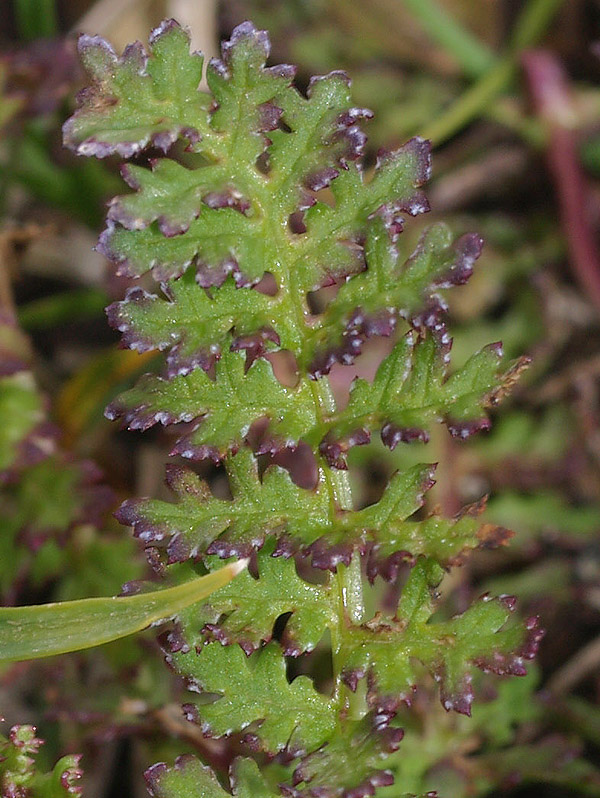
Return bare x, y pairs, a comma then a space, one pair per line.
549, 87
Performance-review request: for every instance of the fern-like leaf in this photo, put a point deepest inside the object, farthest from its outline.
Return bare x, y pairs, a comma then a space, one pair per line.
485, 636
304, 521
189, 776
254, 696
237, 231
20, 774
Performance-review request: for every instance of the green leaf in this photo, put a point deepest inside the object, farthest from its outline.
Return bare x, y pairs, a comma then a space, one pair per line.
170, 194
351, 764
304, 520
216, 240
255, 696
221, 209
138, 99
20, 773
237, 231
411, 391
201, 522
484, 636
371, 302
48, 629
397, 539
245, 611
189, 777
225, 407
186, 779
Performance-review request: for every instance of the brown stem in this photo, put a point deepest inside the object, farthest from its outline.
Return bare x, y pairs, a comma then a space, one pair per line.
584, 663
8, 309
549, 89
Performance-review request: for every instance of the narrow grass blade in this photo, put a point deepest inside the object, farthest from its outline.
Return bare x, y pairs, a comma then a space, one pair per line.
47, 629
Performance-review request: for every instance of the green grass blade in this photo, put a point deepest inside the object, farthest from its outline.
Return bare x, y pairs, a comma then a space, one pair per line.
48, 629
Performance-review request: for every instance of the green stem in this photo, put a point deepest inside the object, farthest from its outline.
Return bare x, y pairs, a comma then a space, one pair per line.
353, 590
471, 103
35, 18
348, 580
474, 57
529, 129
533, 21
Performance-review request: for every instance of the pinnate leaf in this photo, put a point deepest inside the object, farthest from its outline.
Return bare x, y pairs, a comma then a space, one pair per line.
222, 211
189, 777
237, 233
20, 774
224, 408
197, 523
485, 636
410, 392
372, 302
140, 99
245, 611
350, 765
201, 324
256, 697
397, 539
305, 521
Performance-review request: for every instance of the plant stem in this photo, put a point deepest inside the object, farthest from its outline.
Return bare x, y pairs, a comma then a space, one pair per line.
352, 589
471, 103
348, 580
35, 18
474, 57
551, 94
532, 23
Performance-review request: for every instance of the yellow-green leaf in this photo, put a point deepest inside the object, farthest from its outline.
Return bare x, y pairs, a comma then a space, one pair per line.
47, 629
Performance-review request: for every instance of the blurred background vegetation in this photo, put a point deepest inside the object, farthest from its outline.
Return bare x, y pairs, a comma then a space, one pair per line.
509, 93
